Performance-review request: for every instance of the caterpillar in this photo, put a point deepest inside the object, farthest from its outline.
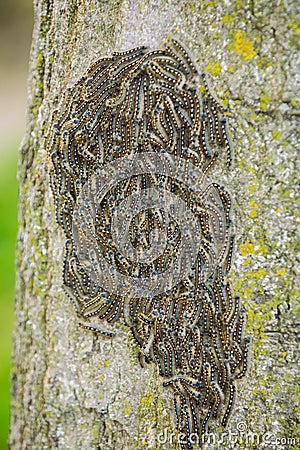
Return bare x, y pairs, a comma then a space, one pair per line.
131, 147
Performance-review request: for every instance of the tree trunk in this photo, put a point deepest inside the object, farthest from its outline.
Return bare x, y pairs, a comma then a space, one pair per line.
73, 389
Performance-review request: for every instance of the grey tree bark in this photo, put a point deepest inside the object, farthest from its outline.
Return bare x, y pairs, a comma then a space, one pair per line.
72, 389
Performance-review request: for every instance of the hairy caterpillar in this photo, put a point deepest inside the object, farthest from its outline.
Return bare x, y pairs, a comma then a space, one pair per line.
131, 148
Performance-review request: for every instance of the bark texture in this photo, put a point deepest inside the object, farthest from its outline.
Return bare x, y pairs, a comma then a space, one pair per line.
74, 390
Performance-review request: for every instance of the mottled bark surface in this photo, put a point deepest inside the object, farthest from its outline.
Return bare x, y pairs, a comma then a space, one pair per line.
72, 389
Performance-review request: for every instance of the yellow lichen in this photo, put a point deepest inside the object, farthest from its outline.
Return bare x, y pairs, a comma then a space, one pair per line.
253, 213
259, 273
295, 27
247, 262
127, 409
262, 249
244, 46
280, 271
101, 377
101, 363
246, 248
227, 18
241, 163
253, 185
214, 67
276, 134
147, 400
264, 100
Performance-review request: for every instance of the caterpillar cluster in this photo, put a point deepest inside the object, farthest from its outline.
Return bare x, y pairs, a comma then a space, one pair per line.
148, 236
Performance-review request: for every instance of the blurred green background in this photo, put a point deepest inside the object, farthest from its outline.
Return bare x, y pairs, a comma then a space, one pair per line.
16, 17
